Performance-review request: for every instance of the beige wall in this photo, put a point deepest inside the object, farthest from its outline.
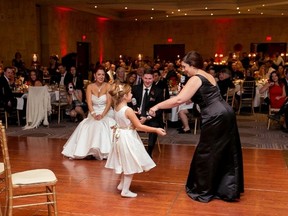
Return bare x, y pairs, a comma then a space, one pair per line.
205, 36
18, 30
50, 30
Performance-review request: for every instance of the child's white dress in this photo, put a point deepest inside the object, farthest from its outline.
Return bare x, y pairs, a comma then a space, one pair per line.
128, 154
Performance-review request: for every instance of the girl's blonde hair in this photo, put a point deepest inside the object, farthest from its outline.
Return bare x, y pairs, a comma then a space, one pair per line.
117, 92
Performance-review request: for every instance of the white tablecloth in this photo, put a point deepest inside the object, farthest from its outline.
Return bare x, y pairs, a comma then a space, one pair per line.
173, 116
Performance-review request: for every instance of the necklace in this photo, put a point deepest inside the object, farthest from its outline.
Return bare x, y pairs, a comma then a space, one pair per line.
99, 88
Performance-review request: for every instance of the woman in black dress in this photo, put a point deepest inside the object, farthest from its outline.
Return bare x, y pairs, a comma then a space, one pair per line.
216, 169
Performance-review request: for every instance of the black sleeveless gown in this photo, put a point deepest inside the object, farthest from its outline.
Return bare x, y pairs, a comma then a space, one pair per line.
216, 169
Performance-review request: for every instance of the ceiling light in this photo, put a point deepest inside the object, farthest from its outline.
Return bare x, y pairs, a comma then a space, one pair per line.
237, 8
248, 9
263, 5
179, 10
239, 12
152, 9
136, 19
95, 6
151, 17
206, 8
282, 14
185, 14
167, 15
172, 12
261, 13
212, 14
126, 8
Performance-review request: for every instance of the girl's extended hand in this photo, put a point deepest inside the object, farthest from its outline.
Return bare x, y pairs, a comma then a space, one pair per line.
161, 131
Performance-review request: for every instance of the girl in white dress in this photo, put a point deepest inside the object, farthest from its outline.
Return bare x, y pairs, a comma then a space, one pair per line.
93, 136
128, 155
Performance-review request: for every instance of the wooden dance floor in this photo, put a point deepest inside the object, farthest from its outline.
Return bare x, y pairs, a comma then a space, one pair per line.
86, 188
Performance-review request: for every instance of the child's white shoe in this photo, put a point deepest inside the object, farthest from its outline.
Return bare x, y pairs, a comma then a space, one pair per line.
128, 194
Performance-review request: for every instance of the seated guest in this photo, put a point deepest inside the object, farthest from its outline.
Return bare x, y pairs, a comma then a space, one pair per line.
276, 89
186, 109
77, 79
110, 74
74, 98
33, 79
225, 82
161, 83
285, 80
62, 77
120, 75
46, 75
237, 70
7, 100
131, 78
211, 70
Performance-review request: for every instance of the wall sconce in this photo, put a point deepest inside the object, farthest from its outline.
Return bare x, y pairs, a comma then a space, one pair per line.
139, 57
34, 57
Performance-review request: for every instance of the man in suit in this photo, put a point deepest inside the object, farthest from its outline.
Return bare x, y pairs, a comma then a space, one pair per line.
110, 75
7, 100
161, 83
62, 77
148, 95
140, 72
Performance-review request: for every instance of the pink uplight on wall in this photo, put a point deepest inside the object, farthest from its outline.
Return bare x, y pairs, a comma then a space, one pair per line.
101, 27
63, 18
222, 26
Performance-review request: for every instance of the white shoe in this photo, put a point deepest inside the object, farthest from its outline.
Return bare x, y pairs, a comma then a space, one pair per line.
128, 194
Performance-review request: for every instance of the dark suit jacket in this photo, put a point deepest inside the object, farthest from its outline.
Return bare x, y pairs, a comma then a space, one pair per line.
79, 82
6, 94
162, 84
155, 96
57, 78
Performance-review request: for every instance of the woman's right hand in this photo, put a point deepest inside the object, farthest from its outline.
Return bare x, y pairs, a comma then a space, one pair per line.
152, 111
161, 131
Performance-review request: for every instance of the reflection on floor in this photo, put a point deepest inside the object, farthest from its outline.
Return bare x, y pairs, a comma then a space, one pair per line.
252, 128
86, 188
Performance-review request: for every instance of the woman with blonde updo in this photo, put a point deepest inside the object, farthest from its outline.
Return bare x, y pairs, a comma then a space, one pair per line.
128, 155
93, 136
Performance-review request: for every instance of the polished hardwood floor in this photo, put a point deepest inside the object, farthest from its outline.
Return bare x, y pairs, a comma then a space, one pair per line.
86, 188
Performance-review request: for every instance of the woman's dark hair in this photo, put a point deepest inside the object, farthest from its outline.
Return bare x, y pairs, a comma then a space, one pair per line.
100, 67
129, 75
194, 59
67, 87
37, 76
277, 74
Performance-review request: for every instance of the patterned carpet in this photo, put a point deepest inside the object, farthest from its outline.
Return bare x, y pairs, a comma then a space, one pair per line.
252, 128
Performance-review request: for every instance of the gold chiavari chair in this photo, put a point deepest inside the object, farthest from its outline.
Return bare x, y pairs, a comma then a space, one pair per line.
28, 183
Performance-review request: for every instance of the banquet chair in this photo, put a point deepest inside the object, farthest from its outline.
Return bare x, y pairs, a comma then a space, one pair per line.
7, 115
270, 112
61, 103
230, 96
247, 91
22, 188
38, 107
192, 118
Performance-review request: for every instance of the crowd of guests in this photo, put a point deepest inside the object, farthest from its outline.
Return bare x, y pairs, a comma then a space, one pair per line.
167, 75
